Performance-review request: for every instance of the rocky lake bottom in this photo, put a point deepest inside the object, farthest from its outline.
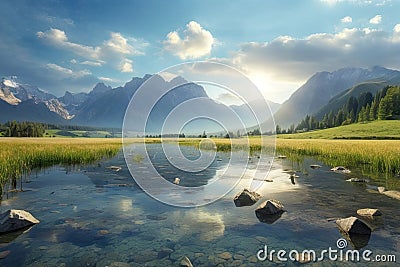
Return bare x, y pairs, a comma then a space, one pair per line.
96, 216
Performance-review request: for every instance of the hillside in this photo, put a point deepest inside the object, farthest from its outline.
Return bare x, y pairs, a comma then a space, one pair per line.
338, 101
372, 130
322, 87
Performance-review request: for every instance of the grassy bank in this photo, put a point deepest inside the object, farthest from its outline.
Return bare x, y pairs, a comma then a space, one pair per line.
20, 155
371, 130
376, 155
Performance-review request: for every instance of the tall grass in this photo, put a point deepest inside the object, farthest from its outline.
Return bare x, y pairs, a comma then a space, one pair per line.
375, 155
19, 156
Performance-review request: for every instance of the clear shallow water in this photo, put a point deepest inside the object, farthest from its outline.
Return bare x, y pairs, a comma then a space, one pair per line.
95, 216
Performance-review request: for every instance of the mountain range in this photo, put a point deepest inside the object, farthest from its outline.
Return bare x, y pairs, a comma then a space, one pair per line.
326, 91
105, 106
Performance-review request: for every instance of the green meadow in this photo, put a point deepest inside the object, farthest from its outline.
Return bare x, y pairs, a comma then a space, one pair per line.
380, 129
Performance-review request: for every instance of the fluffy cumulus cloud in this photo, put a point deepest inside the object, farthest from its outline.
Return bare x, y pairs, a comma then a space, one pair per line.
376, 20
196, 42
115, 51
289, 59
347, 19
126, 66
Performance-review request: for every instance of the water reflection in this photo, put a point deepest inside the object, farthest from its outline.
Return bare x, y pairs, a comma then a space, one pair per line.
207, 226
91, 220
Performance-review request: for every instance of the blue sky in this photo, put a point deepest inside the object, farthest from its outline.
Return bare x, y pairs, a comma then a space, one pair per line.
72, 45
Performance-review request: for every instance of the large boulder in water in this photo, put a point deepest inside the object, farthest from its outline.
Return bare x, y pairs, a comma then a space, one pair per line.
353, 225
246, 198
269, 211
13, 220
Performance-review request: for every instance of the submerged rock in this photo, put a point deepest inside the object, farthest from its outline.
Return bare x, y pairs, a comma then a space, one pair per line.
185, 262
340, 169
369, 212
13, 220
269, 211
353, 225
246, 198
357, 180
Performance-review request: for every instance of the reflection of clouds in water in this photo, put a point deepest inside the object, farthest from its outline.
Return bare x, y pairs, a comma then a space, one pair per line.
125, 205
126, 208
208, 225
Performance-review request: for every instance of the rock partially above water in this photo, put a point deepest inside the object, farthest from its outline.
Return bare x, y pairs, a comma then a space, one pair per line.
269, 211
381, 189
114, 168
246, 198
315, 166
340, 169
357, 180
369, 212
13, 220
353, 225
392, 193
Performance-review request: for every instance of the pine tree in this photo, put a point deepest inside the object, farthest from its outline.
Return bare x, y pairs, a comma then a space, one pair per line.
367, 112
373, 114
385, 110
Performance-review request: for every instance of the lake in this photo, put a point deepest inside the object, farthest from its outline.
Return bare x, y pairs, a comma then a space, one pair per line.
95, 216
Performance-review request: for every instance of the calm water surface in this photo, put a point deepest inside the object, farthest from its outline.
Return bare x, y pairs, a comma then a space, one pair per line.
95, 216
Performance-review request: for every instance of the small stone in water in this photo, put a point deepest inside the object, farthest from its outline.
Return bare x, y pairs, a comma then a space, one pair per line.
119, 264
103, 232
252, 259
225, 255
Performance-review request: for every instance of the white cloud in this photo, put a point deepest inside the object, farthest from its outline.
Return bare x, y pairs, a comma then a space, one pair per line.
114, 51
58, 38
119, 44
347, 19
67, 73
109, 80
126, 66
376, 20
290, 61
195, 43
73, 61
92, 63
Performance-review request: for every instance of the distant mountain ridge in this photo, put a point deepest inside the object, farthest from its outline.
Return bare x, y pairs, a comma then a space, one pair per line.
105, 106
322, 87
